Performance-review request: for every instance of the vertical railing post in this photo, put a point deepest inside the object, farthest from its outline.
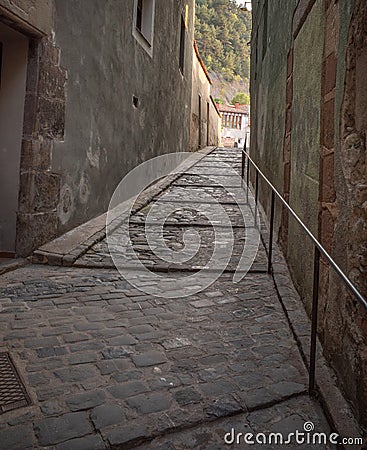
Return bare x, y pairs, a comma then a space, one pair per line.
242, 167
271, 234
248, 172
315, 307
256, 193
247, 177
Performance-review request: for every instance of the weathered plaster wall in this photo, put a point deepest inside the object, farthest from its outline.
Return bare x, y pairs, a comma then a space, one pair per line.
96, 105
214, 124
201, 86
31, 16
106, 134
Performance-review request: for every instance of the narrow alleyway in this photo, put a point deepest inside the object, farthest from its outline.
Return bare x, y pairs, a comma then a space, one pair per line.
108, 365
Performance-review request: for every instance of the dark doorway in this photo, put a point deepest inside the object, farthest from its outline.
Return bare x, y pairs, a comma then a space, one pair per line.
13, 75
200, 118
207, 122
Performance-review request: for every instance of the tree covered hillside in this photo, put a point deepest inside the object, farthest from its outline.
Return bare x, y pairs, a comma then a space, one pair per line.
222, 33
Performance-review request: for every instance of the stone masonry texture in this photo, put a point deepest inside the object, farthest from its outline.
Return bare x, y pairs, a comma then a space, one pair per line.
108, 366
308, 127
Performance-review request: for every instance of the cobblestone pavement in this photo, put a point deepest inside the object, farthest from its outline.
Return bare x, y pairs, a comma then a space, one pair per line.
109, 366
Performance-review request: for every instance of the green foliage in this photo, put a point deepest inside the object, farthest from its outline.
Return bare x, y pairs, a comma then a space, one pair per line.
242, 98
219, 101
222, 33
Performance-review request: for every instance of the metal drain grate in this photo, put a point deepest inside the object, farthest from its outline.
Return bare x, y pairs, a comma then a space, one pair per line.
12, 392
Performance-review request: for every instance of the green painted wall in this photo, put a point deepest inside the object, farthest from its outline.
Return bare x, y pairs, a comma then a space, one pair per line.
307, 76
268, 88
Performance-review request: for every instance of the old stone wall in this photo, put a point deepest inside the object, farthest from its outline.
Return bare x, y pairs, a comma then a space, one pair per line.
43, 123
321, 170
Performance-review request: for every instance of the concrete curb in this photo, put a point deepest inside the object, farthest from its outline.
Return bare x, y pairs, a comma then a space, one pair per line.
66, 249
336, 407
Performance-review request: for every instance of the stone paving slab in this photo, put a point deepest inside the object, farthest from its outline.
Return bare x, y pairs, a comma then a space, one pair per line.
205, 194
201, 180
284, 418
213, 171
154, 255
97, 342
65, 249
190, 213
108, 365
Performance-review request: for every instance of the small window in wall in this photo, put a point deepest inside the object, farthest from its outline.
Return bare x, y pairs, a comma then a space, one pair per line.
139, 15
182, 45
143, 24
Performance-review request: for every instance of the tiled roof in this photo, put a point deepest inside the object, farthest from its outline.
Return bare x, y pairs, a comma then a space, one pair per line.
231, 108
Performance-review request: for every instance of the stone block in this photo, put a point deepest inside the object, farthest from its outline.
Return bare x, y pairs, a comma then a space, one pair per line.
52, 81
86, 400
186, 396
34, 230
204, 303
91, 442
106, 415
30, 111
126, 390
52, 431
140, 329
223, 407
36, 154
50, 54
121, 436
17, 438
149, 403
151, 358
217, 387
39, 192
51, 118
83, 358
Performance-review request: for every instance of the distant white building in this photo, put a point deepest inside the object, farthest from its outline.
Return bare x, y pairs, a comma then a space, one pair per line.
235, 124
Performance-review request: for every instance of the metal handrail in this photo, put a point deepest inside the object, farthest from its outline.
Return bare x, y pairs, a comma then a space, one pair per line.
319, 250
